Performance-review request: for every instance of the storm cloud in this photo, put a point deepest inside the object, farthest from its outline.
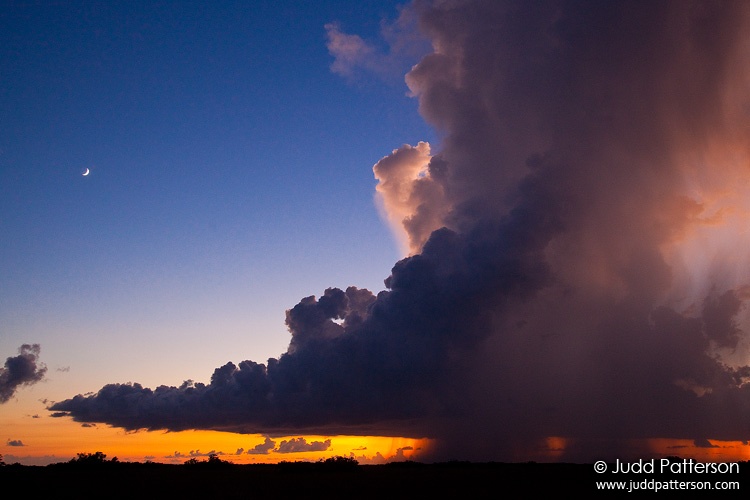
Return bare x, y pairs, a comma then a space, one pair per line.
21, 370
576, 249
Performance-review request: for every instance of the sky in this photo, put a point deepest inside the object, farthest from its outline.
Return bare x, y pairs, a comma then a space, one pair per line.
475, 230
230, 176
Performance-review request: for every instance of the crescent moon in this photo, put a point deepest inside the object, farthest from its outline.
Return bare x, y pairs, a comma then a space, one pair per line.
86, 172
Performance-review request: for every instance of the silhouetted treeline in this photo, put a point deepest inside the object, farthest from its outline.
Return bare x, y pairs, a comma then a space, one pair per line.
336, 477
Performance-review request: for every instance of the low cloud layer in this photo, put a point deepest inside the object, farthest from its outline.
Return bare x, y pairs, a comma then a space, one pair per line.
300, 445
576, 250
21, 370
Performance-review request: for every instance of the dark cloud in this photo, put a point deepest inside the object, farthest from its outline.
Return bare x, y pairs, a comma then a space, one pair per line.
15, 442
704, 443
21, 370
199, 453
576, 241
376, 459
400, 456
299, 445
263, 448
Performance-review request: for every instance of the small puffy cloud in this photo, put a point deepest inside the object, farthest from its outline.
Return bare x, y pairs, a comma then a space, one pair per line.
263, 448
15, 442
21, 370
299, 445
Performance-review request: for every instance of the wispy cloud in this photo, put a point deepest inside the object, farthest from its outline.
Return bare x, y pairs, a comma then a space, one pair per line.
397, 48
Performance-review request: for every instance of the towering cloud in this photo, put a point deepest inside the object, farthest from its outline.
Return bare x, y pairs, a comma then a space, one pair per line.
576, 248
21, 370
410, 196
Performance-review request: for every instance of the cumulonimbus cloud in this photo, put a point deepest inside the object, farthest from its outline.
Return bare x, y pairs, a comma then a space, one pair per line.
576, 250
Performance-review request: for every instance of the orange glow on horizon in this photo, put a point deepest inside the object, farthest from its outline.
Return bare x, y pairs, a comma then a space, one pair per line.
718, 451
556, 445
59, 440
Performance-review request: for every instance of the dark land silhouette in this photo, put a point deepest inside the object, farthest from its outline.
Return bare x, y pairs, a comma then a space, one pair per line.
94, 475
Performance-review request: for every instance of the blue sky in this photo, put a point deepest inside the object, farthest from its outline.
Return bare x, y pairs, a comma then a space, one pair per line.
230, 177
